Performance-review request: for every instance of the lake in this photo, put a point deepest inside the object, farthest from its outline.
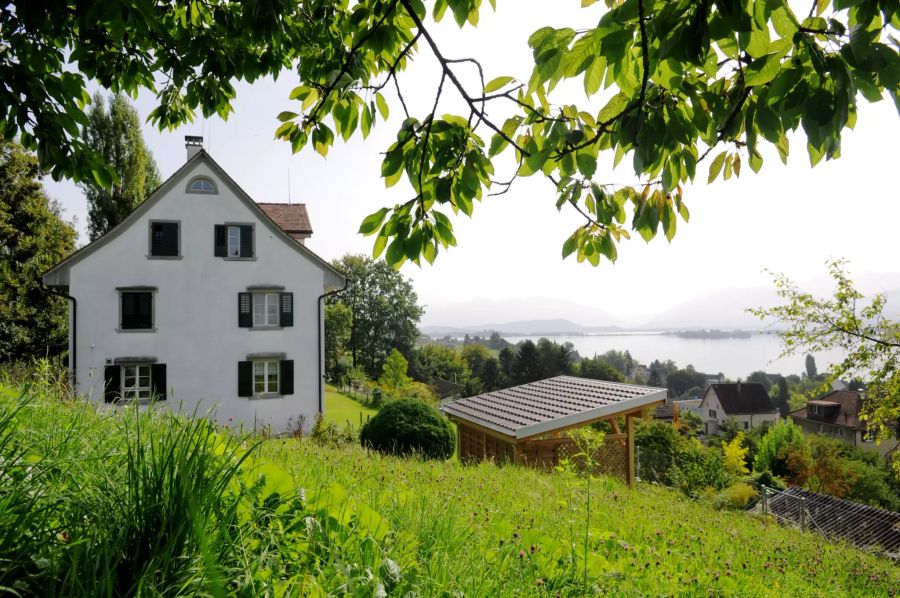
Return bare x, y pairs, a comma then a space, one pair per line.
734, 357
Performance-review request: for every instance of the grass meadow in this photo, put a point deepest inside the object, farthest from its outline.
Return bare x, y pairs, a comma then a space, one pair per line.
129, 502
342, 410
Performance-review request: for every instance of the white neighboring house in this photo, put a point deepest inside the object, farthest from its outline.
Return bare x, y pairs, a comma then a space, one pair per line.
748, 403
204, 299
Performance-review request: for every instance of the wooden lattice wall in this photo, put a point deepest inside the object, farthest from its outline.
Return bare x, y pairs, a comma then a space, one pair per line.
613, 458
475, 445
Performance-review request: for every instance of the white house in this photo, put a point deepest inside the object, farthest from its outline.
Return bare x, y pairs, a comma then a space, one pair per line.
747, 403
204, 299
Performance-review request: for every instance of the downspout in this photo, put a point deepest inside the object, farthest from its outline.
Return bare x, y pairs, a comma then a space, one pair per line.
320, 314
73, 357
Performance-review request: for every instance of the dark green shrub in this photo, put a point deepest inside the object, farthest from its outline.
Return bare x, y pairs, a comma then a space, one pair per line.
407, 426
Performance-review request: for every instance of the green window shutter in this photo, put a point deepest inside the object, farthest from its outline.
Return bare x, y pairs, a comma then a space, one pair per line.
220, 243
245, 378
164, 239
287, 309
112, 383
245, 310
158, 381
246, 240
287, 376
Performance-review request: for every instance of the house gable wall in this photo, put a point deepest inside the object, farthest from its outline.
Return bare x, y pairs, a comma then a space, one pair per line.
195, 309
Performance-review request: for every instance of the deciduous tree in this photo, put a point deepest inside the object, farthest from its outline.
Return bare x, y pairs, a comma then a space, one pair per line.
688, 83
33, 238
384, 308
115, 135
869, 340
338, 326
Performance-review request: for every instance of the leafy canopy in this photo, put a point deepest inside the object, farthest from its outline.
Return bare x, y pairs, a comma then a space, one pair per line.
869, 340
115, 134
33, 237
683, 81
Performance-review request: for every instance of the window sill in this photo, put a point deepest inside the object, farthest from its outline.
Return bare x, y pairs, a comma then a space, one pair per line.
135, 329
261, 328
239, 259
165, 257
266, 395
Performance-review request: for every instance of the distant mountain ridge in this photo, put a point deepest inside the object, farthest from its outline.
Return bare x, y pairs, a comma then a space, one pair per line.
556, 326
722, 310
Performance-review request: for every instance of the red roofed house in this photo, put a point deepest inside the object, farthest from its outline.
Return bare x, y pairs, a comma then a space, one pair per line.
837, 414
202, 299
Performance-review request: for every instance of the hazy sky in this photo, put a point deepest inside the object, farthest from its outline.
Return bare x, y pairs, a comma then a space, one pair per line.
789, 219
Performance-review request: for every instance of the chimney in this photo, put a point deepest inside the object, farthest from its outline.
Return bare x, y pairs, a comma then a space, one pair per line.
739, 386
193, 143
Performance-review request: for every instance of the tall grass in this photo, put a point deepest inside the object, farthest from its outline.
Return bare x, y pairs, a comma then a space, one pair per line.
112, 504
141, 502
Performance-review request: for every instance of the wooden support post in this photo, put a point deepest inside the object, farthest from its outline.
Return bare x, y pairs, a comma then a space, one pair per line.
629, 451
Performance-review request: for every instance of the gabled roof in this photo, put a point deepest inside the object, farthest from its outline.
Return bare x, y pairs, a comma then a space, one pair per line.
551, 404
841, 409
292, 218
743, 398
58, 276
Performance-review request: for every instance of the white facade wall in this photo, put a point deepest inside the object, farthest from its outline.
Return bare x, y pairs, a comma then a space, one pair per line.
196, 310
746, 421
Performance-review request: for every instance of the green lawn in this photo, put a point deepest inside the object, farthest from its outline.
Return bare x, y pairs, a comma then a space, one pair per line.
485, 530
340, 408
126, 502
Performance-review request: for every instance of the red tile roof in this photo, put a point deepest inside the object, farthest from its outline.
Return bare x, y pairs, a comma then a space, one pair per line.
292, 218
841, 409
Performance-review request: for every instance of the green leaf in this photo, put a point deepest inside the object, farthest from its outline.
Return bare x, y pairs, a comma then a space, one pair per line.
286, 116
587, 164
378, 247
382, 106
716, 167
593, 76
372, 222
762, 70
497, 83
498, 144
570, 244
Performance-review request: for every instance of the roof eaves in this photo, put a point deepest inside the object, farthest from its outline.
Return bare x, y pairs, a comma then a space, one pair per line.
450, 412
58, 275
591, 414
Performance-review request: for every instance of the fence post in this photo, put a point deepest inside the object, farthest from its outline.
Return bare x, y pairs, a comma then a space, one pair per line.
765, 500
637, 463
803, 513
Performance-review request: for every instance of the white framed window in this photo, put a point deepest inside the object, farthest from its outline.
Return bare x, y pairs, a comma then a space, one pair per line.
234, 241
265, 377
202, 185
266, 309
712, 412
136, 384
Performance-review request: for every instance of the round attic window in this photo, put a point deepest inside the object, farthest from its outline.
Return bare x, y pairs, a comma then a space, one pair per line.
202, 184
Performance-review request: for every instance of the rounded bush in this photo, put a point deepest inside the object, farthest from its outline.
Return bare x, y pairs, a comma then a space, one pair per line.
408, 426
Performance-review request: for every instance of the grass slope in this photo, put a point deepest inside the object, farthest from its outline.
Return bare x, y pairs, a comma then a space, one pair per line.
341, 409
138, 502
499, 531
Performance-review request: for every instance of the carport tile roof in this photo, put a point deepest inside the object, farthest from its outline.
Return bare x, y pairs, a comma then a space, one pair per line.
554, 402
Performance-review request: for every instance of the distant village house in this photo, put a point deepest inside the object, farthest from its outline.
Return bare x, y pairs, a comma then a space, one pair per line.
747, 403
837, 414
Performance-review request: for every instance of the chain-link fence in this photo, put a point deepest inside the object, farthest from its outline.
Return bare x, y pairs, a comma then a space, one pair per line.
833, 517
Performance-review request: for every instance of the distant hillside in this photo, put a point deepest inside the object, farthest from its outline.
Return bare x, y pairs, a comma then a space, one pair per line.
723, 310
550, 327
478, 313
